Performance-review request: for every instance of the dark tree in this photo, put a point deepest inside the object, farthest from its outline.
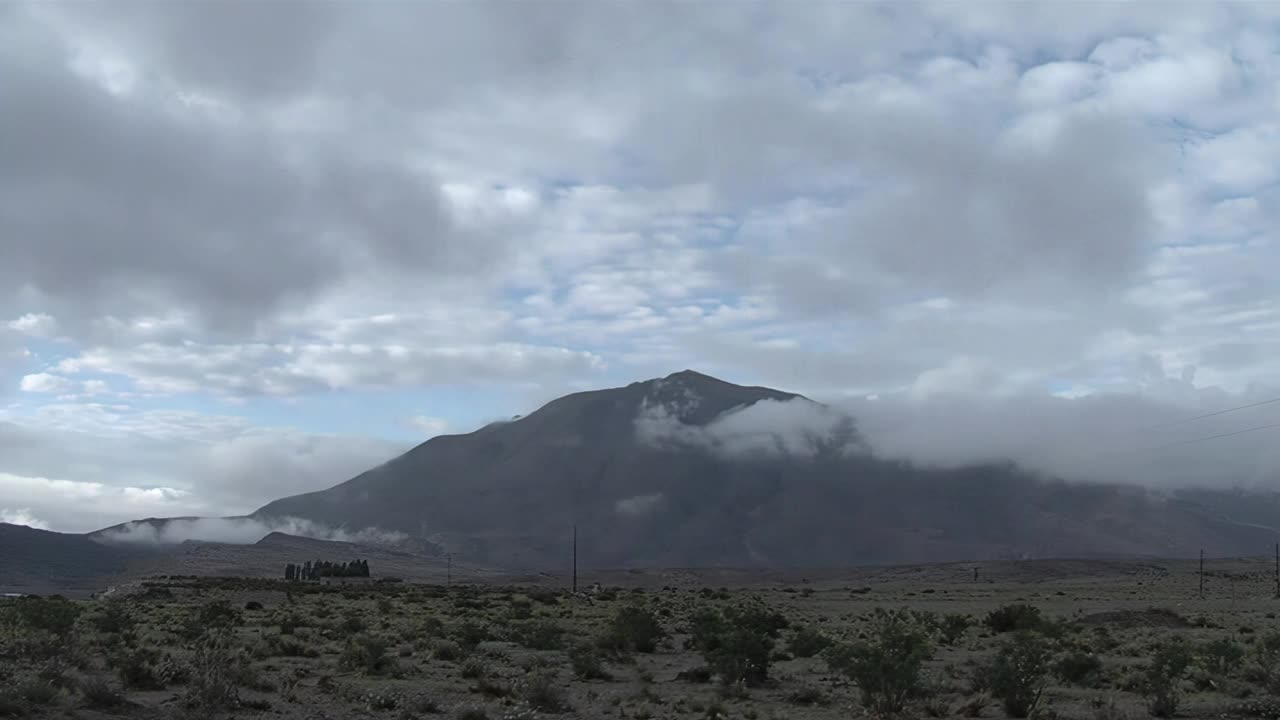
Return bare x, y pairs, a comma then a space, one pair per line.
289, 571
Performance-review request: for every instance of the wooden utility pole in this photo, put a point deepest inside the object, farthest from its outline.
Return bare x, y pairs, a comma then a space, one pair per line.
448, 577
1278, 570
1202, 572
575, 559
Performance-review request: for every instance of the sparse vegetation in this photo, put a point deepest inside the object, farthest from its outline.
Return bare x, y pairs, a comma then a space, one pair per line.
641, 655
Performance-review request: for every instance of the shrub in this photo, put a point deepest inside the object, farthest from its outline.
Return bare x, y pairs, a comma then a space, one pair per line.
633, 629
887, 666
447, 651
1079, 668
1018, 673
474, 669
1012, 618
99, 695
587, 663
1162, 677
213, 671
473, 713
470, 634
807, 641
52, 615
112, 617
542, 692
953, 627
366, 654
539, 635
741, 655
1222, 656
1266, 655
137, 669
214, 616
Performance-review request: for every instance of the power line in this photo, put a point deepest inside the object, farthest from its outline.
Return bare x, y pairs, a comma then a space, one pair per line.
1212, 414
1215, 437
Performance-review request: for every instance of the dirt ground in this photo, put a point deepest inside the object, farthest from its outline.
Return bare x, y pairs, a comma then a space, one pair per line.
524, 647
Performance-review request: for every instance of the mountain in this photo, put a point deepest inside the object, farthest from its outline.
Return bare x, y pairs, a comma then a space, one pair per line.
39, 561
692, 471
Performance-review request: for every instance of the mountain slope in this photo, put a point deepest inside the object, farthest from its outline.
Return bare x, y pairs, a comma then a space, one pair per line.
34, 560
689, 470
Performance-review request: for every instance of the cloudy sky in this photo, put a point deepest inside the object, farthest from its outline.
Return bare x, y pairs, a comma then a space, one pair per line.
248, 250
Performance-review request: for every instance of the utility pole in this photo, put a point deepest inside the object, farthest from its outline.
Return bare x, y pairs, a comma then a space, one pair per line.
1201, 573
575, 559
1278, 570
448, 578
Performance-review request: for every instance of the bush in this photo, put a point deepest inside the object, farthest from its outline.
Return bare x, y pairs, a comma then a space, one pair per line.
213, 673
99, 695
953, 627
807, 641
633, 629
1018, 673
474, 669
112, 617
587, 663
1079, 668
538, 635
542, 692
1163, 676
1012, 618
52, 615
1266, 655
366, 654
1222, 656
137, 669
886, 667
447, 651
741, 655
470, 634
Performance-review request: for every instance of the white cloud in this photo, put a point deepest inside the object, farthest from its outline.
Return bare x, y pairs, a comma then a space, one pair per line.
428, 426
38, 325
240, 531
47, 383
22, 516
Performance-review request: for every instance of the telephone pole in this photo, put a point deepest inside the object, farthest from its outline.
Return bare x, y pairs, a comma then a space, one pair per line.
1202, 573
575, 559
448, 577
1278, 570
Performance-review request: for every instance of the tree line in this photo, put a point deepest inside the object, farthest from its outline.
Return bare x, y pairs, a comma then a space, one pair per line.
325, 568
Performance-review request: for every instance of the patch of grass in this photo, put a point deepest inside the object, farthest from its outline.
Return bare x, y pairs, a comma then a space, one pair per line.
807, 695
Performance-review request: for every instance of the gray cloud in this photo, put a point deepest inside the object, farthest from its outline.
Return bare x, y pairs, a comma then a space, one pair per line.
237, 531
794, 428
